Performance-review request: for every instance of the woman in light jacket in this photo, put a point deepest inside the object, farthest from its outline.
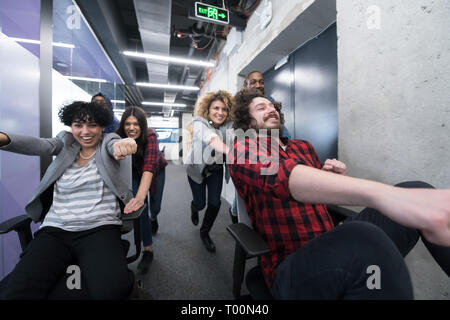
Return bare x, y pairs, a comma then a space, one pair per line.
205, 158
79, 201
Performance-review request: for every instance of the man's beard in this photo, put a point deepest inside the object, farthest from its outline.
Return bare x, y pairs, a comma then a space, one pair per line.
273, 132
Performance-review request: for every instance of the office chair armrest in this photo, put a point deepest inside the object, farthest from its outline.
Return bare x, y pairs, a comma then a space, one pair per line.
15, 224
340, 210
249, 240
133, 215
20, 224
339, 214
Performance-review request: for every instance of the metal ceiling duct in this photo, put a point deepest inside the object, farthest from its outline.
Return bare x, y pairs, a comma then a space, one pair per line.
154, 20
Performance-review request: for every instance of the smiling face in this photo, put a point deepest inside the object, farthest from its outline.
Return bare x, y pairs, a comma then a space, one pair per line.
87, 133
218, 112
264, 114
255, 80
132, 128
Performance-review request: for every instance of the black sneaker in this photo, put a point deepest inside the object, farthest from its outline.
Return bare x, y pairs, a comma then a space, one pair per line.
146, 260
155, 226
207, 242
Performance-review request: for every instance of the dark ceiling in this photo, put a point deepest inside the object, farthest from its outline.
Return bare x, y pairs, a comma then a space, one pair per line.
115, 23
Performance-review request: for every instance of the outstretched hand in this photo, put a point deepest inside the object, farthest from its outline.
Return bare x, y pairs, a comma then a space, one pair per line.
425, 209
124, 147
133, 205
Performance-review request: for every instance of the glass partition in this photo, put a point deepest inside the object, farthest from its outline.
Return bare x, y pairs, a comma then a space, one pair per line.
81, 68
19, 113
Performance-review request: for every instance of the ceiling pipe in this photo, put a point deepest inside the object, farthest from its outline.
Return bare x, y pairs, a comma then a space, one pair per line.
184, 75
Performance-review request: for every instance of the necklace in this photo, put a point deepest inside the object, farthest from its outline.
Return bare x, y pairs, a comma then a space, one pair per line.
87, 158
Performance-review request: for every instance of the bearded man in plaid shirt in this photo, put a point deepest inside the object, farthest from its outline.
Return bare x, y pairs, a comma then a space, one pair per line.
285, 188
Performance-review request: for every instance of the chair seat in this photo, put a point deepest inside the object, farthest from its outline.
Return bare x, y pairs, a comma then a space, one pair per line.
127, 226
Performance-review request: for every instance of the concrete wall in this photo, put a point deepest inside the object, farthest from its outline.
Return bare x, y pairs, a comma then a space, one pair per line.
256, 40
394, 102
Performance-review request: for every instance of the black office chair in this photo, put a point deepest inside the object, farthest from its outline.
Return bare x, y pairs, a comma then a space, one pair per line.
250, 245
22, 225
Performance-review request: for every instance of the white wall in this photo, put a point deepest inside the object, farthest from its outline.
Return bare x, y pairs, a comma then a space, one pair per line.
64, 92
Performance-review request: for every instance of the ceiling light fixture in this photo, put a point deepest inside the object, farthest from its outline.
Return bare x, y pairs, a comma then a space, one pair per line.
166, 86
118, 101
86, 79
55, 44
163, 104
169, 59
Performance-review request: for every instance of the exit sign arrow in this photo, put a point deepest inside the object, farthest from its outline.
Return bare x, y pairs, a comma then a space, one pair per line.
211, 13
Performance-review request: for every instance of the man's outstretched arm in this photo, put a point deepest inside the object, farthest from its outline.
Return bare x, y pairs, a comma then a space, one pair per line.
423, 209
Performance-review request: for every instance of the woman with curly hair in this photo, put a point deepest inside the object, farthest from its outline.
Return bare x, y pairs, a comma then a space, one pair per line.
78, 200
205, 158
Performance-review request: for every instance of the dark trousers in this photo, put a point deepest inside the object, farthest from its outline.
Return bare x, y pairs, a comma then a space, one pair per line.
98, 253
341, 263
214, 184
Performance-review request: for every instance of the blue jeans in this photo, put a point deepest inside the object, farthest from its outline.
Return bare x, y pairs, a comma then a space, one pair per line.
153, 209
339, 264
214, 184
156, 198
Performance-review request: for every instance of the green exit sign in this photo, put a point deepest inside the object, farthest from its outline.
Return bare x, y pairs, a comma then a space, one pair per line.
211, 13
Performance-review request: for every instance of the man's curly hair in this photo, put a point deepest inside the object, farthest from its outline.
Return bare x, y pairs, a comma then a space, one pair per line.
203, 104
241, 114
80, 111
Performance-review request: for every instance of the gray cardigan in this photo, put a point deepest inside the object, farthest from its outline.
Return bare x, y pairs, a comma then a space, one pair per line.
66, 148
200, 150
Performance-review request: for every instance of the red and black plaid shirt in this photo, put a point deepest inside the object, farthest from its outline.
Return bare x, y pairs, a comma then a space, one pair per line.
154, 161
284, 223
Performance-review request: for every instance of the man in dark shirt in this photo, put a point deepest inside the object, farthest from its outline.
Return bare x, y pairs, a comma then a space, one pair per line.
101, 98
310, 258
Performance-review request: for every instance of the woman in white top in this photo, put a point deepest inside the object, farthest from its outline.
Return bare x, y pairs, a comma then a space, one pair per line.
79, 201
206, 158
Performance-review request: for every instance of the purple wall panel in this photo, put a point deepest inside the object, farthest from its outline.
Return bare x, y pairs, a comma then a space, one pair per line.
21, 19
19, 113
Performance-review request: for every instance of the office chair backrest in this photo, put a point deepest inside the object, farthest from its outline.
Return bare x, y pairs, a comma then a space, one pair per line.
126, 171
254, 278
242, 211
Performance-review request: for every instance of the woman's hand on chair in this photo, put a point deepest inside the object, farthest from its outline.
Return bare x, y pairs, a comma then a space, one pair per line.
133, 205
